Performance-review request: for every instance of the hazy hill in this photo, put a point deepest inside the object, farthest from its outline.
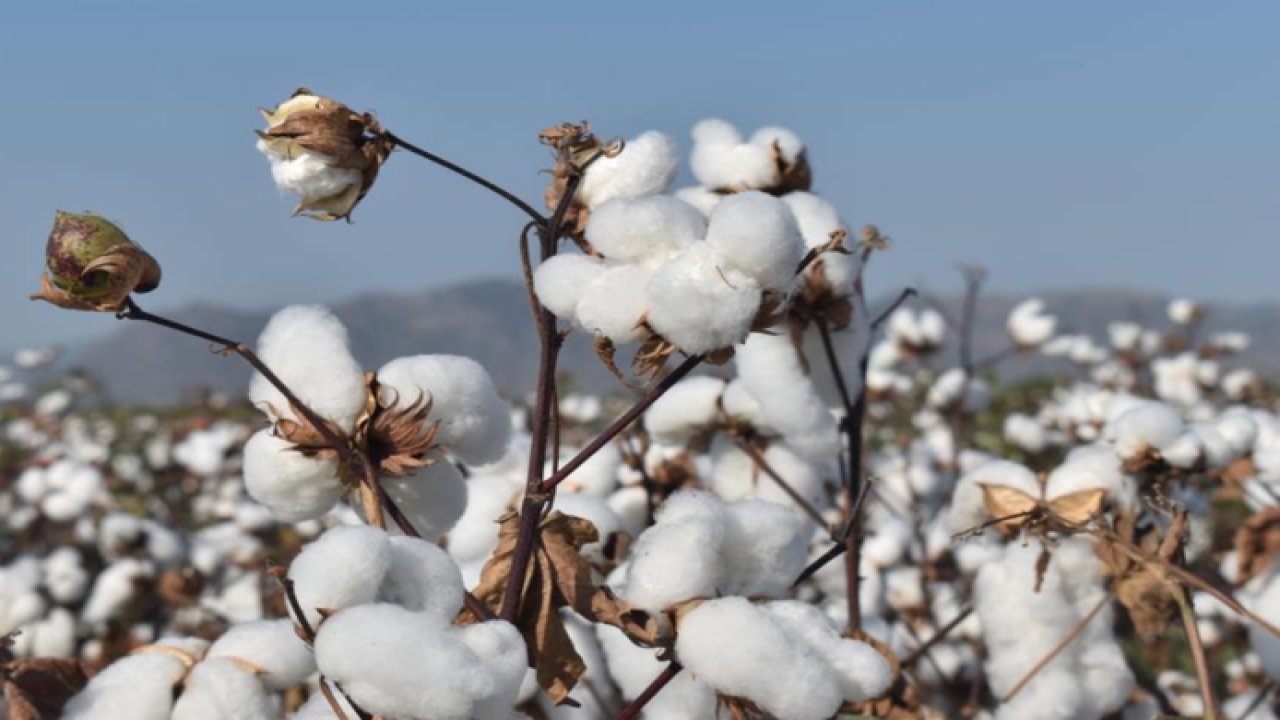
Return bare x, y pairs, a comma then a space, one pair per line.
490, 321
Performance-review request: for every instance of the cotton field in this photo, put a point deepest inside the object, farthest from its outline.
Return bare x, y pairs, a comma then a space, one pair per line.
806, 499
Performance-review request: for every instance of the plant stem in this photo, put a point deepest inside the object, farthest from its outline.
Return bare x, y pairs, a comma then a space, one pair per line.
800, 501
622, 423
1203, 678
632, 710
482, 182
938, 637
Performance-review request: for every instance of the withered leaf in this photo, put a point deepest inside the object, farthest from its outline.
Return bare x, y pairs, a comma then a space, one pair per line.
1078, 507
38, 688
559, 577
1014, 508
1257, 542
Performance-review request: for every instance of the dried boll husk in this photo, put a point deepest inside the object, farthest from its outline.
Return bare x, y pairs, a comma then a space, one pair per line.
92, 265
341, 137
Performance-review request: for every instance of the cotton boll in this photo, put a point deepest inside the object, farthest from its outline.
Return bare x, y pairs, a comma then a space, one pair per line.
362, 553
138, 687
816, 218
392, 661
217, 689
52, 636
273, 647
644, 229
863, 673
723, 642
1266, 645
1147, 427
646, 166
294, 487
720, 160
65, 576
614, 304
1089, 467
474, 422
422, 578
309, 175
597, 476
758, 235
765, 549
771, 371
690, 406
432, 498
799, 473
1184, 312
700, 303
560, 282
114, 588
1029, 326
475, 535
1025, 432
306, 347
680, 556
501, 648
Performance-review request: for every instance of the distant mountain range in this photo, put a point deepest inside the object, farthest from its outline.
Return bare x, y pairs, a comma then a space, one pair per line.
490, 321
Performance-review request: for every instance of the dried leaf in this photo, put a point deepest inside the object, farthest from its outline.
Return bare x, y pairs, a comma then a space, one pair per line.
1257, 543
1009, 503
38, 688
559, 577
1078, 507
606, 351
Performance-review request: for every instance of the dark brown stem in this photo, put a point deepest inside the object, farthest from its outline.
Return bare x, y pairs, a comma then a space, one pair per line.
482, 182
841, 541
622, 423
763, 464
632, 710
903, 296
309, 635
938, 637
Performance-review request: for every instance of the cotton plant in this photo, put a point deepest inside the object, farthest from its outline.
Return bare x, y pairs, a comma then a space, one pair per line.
412, 421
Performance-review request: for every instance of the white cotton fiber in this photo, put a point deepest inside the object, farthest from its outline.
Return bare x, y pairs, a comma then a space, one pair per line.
219, 689
597, 476
815, 216
474, 422
114, 588
690, 406
475, 535
1028, 325
423, 578
800, 473
646, 166
560, 282
363, 554
271, 646
1266, 645
614, 304
308, 174
863, 672
680, 556
765, 549
701, 303
644, 229
432, 498
770, 369
1093, 466
306, 347
501, 648
757, 234
138, 687
1148, 426
702, 198
294, 487
740, 649
721, 161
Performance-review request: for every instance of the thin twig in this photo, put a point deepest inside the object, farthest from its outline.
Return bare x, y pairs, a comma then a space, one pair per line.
903, 296
800, 501
632, 710
1203, 678
482, 182
1062, 645
1257, 701
938, 637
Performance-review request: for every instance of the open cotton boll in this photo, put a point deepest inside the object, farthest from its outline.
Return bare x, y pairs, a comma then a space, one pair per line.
765, 549
1183, 311
271, 646
433, 498
614, 304
700, 303
680, 556
643, 229
633, 668
501, 648
395, 662
703, 198
1093, 466
308, 174
690, 406
788, 144
474, 422
218, 689
1029, 326
725, 641
138, 687
968, 508
646, 166
720, 160
423, 578
770, 369
800, 474
52, 636
306, 347
1147, 427
475, 535
816, 218
294, 487
114, 588
757, 234
863, 673
560, 282
362, 553
1025, 432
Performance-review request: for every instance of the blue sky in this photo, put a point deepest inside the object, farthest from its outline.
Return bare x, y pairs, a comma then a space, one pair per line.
1059, 144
